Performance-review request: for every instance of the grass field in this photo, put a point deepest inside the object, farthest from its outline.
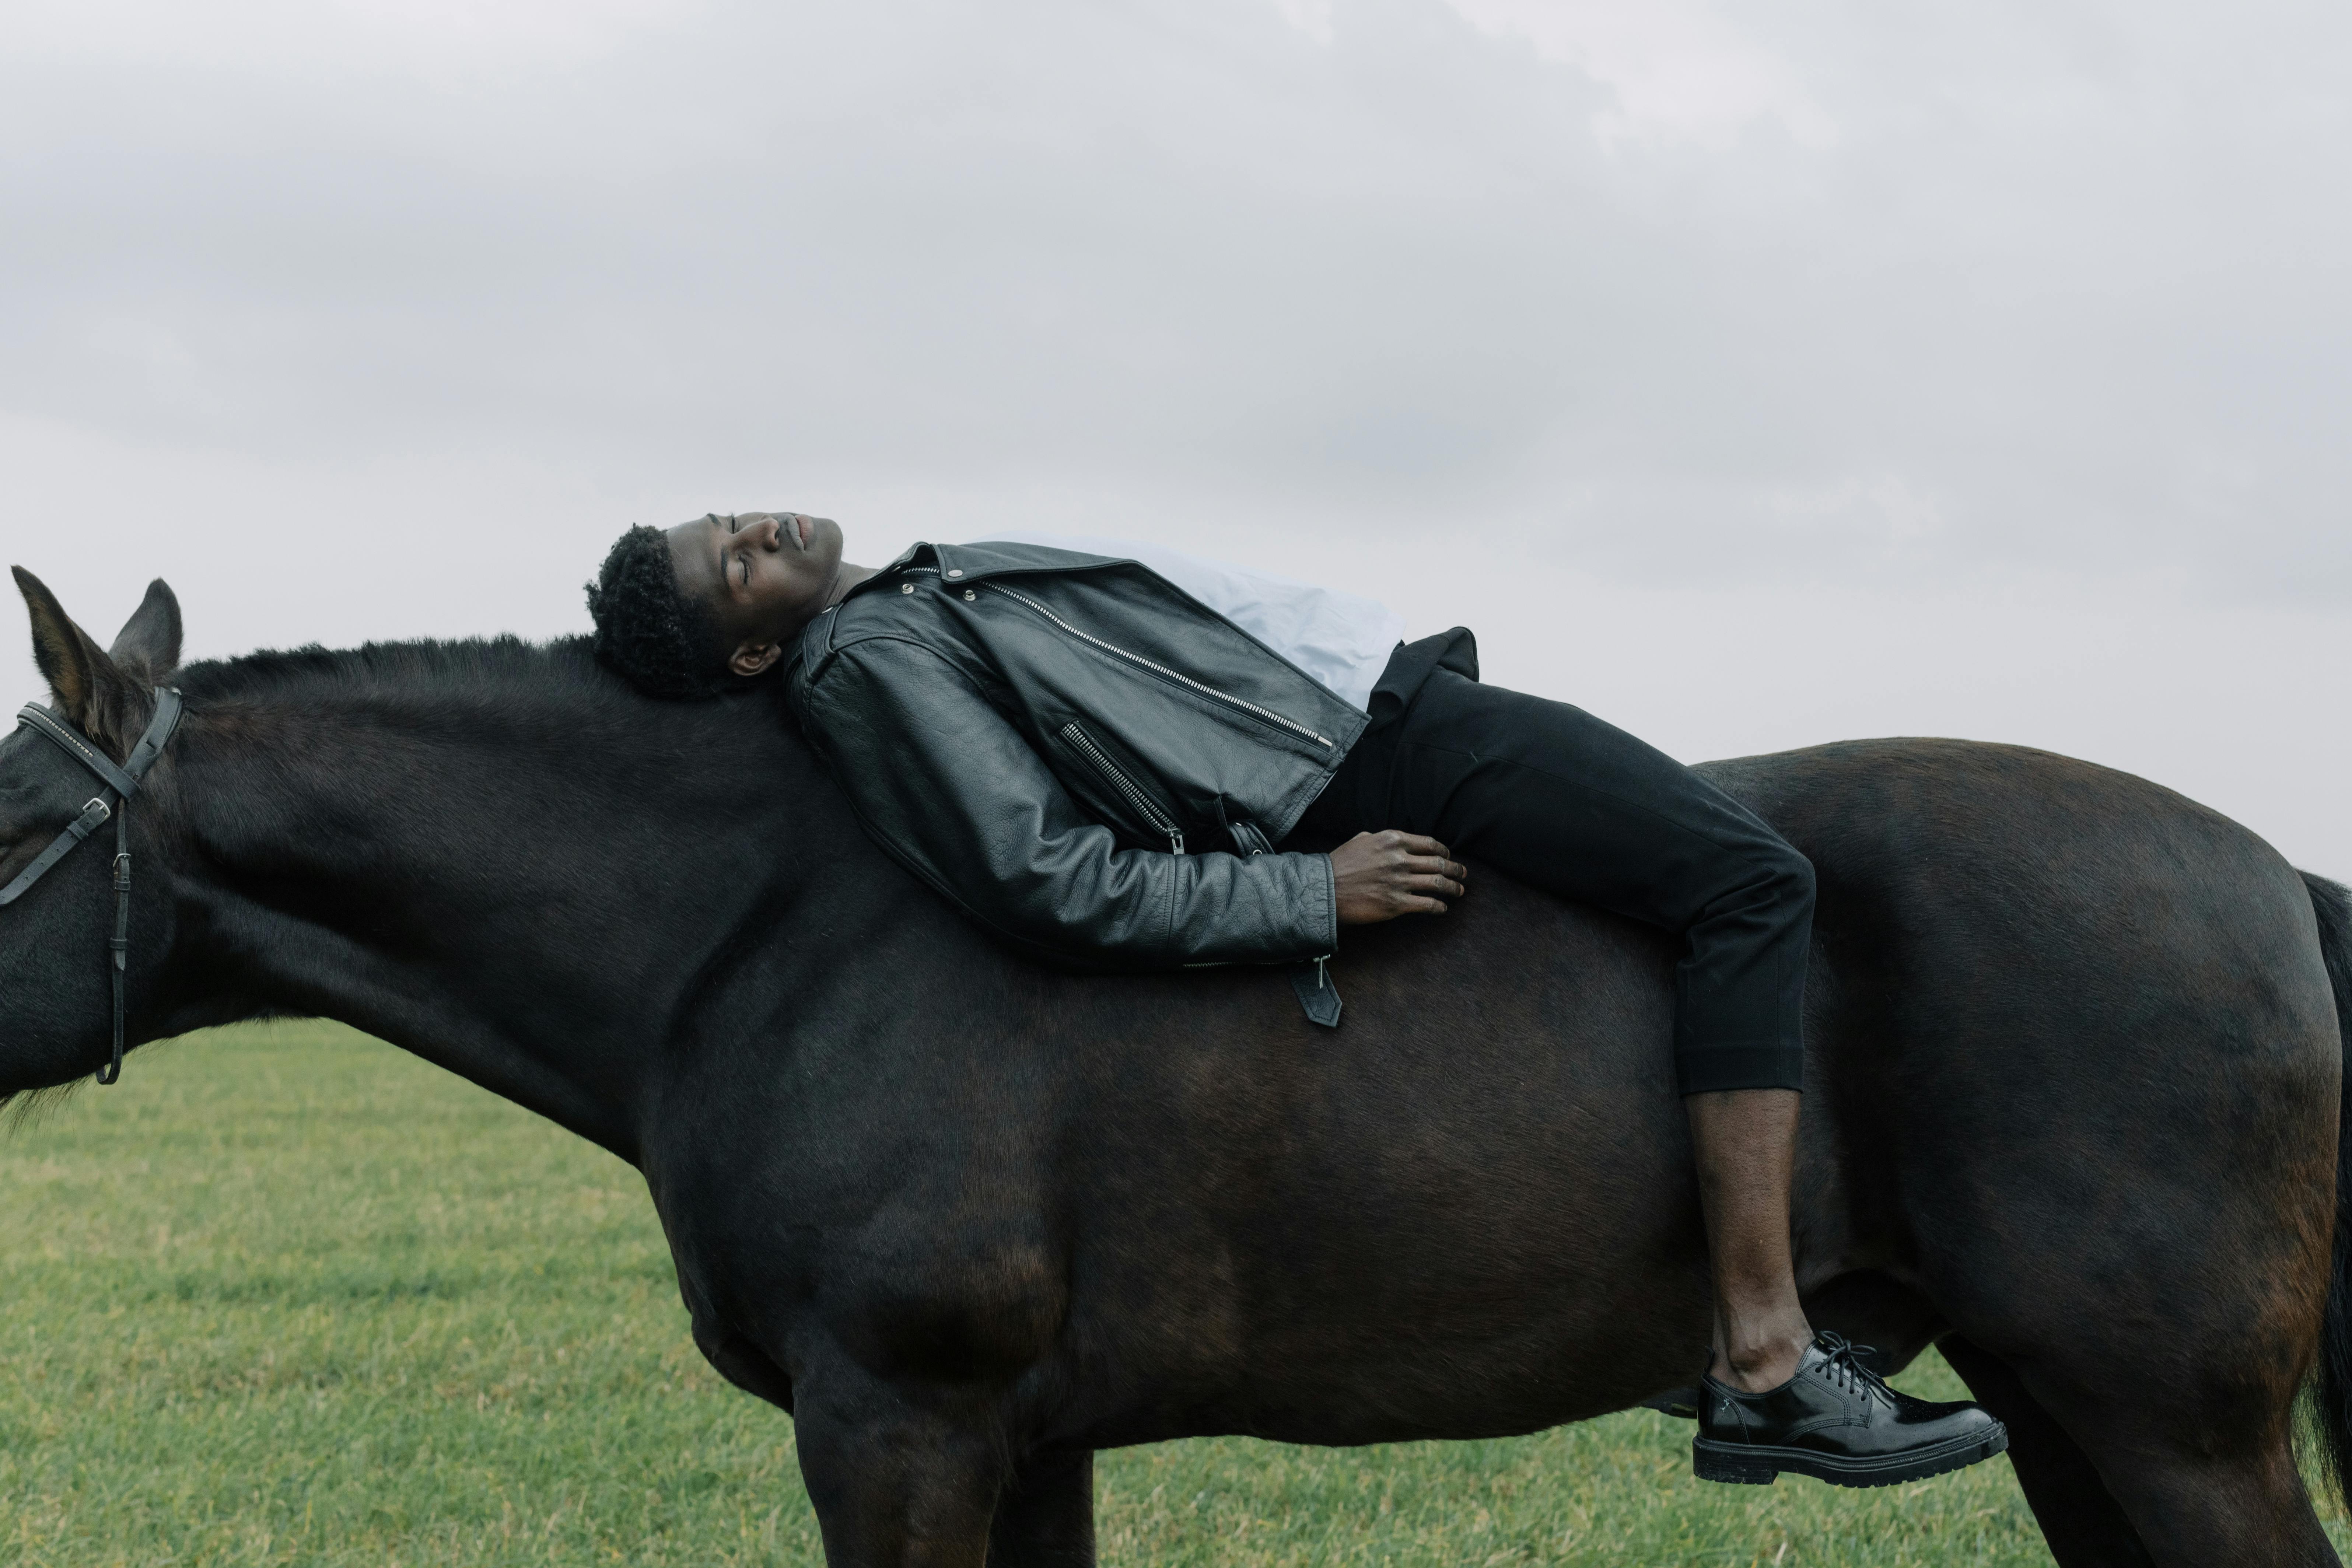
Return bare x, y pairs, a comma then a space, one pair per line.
287, 1296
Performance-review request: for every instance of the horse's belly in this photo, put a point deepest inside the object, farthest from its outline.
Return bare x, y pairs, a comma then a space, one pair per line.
1468, 1211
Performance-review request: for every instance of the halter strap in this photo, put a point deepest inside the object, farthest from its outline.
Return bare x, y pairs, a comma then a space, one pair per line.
121, 781
124, 782
93, 816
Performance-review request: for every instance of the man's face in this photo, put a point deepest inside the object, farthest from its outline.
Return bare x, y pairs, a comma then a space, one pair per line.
764, 575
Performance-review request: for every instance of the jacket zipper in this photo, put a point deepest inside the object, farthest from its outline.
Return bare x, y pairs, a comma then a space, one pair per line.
1084, 744
1267, 714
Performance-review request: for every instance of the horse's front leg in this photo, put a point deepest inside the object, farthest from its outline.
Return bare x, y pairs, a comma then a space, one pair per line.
901, 1476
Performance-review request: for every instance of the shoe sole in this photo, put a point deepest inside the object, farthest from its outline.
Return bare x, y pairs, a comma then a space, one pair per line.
1753, 1465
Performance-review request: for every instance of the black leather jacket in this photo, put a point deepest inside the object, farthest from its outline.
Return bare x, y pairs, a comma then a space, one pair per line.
1078, 754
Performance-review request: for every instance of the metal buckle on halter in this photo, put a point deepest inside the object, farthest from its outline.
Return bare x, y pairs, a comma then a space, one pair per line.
96, 803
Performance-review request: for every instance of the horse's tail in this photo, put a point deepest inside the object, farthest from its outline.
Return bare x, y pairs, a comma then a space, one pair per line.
2332, 904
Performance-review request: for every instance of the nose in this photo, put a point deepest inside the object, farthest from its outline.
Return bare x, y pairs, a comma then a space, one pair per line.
768, 532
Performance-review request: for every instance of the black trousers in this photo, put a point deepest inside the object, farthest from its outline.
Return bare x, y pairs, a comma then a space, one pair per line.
1553, 796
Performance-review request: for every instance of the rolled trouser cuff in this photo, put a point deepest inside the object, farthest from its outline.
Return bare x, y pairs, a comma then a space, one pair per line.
1740, 1064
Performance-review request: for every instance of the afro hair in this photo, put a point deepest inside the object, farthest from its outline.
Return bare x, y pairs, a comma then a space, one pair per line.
649, 632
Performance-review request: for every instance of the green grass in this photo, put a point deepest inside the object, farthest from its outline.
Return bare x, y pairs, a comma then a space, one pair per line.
287, 1296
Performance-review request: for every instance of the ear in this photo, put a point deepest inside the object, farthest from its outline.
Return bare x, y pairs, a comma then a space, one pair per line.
755, 658
91, 693
147, 649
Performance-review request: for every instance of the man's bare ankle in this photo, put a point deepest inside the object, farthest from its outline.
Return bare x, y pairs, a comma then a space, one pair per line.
1759, 1369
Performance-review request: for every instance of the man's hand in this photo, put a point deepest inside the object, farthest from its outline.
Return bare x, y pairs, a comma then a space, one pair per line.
1386, 874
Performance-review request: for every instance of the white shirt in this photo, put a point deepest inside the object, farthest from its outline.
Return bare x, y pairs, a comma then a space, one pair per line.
1340, 640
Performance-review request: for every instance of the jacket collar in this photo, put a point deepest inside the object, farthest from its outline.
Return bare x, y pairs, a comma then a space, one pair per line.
974, 562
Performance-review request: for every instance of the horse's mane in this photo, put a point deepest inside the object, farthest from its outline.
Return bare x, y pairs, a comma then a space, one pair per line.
558, 681
451, 665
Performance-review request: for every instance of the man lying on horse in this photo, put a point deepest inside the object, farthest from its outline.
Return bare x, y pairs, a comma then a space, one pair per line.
1110, 754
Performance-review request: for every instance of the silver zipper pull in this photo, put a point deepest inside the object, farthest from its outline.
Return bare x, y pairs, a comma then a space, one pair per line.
1175, 842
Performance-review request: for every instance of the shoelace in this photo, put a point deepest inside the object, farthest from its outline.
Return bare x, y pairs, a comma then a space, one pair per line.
1845, 1370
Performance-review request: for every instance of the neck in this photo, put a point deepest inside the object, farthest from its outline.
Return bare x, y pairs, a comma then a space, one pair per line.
845, 578
529, 886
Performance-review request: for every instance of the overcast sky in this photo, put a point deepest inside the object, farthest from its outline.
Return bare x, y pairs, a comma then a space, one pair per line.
1753, 376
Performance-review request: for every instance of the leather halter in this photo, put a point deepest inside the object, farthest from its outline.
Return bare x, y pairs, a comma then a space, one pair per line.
122, 783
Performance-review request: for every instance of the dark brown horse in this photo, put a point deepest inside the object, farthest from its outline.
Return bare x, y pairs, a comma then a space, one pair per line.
2075, 1076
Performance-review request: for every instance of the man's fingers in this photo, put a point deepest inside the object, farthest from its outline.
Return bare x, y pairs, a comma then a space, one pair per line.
1432, 858
1391, 872
1411, 842
1434, 866
1428, 874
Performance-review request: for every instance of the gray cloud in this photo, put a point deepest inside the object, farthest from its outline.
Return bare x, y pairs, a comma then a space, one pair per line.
379, 319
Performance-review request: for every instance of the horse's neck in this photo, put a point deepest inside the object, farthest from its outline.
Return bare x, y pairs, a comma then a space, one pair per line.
529, 911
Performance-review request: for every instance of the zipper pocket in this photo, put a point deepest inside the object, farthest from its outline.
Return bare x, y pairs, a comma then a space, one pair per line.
1268, 714
1132, 793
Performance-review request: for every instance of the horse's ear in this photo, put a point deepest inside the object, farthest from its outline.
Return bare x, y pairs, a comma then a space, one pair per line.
147, 649
92, 694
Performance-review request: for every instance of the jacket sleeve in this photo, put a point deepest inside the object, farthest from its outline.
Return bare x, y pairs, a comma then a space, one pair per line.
940, 780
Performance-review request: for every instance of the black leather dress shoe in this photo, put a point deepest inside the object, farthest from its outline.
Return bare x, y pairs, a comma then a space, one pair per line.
1836, 1422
